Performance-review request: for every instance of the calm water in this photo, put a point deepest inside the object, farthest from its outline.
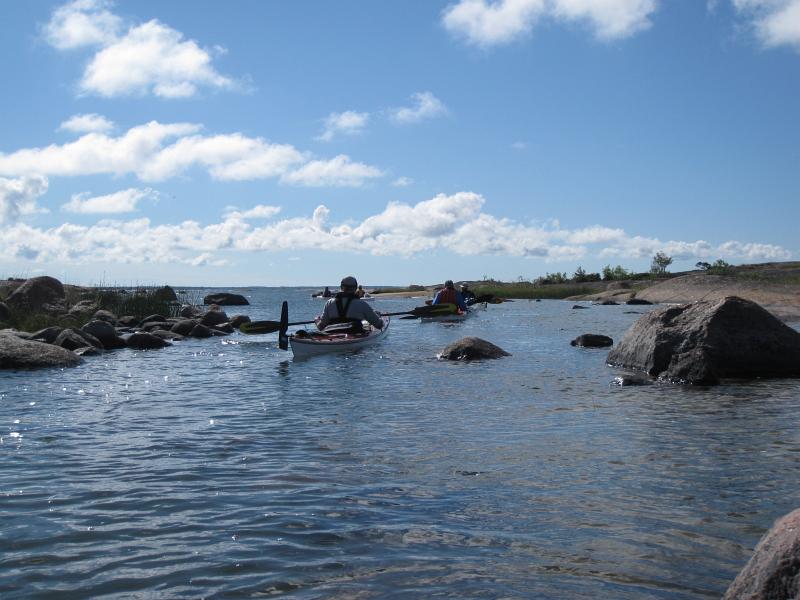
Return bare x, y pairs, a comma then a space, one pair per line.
223, 468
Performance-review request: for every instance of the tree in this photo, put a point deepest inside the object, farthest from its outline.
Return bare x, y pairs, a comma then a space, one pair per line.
703, 266
660, 263
580, 275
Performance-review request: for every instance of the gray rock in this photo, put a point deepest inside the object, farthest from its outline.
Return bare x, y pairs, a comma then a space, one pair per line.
592, 340
23, 335
72, 339
83, 308
214, 317
224, 328
16, 353
471, 348
105, 332
638, 301
47, 335
201, 331
238, 320
773, 572
152, 319
226, 299
629, 380
189, 311
167, 335
128, 321
88, 351
606, 303
45, 294
141, 340
183, 327
578, 306
166, 294
105, 315
153, 325
5, 312
701, 342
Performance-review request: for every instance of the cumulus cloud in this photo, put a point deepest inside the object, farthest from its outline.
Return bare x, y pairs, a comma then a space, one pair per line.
157, 151
490, 23
776, 22
339, 171
455, 223
347, 123
124, 201
402, 182
18, 197
87, 124
150, 58
426, 106
260, 211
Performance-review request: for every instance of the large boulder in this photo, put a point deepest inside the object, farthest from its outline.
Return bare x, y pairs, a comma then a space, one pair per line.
214, 317
105, 332
16, 353
184, 326
165, 294
105, 315
225, 299
84, 308
142, 340
47, 335
239, 320
5, 312
471, 348
773, 572
72, 339
45, 294
701, 342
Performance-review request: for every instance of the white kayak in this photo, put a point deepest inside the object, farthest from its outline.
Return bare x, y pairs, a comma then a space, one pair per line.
312, 343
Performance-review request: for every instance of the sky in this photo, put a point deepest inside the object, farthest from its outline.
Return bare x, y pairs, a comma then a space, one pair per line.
255, 143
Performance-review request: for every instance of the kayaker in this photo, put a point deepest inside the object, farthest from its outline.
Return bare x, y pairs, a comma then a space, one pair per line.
345, 307
360, 293
467, 294
449, 295
327, 293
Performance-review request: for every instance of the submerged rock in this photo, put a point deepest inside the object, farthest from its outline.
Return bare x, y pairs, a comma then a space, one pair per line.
471, 348
16, 353
701, 342
638, 301
592, 340
773, 572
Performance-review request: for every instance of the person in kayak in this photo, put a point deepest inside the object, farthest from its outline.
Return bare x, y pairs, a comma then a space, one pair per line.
468, 295
345, 307
327, 293
360, 293
449, 295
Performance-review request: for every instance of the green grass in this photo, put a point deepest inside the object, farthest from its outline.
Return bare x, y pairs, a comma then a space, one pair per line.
555, 291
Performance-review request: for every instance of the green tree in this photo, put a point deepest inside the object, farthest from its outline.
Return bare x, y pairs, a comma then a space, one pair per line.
660, 263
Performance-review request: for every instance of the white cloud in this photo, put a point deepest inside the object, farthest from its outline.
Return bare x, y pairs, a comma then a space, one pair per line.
123, 201
339, 171
489, 23
776, 22
147, 58
87, 124
260, 211
347, 123
486, 23
82, 23
456, 223
402, 182
156, 152
426, 106
18, 197
519, 146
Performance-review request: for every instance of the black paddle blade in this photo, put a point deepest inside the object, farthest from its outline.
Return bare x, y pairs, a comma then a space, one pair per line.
283, 339
256, 327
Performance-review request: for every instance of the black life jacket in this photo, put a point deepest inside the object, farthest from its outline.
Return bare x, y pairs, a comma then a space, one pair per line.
343, 300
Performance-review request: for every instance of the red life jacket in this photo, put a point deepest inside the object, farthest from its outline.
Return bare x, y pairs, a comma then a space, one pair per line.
447, 296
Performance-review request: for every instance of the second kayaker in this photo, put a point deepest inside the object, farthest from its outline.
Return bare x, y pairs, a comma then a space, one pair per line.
449, 295
345, 307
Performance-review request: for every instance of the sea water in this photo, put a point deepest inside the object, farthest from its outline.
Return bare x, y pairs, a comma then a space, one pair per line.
224, 468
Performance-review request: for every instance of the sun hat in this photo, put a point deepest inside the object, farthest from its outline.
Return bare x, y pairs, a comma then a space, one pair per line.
349, 282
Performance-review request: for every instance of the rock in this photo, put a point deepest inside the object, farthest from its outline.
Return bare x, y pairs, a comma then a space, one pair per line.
72, 339
214, 317
226, 299
128, 321
142, 340
224, 328
638, 301
577, 306
165, 294
592, 340
16, 353
168, 335
619, 285
183, 327
88, 351
5, 312
200, 331
83, 308
773, 572
606, 303
39, 294
47, 335
189, 311
628, 380
239, 320
471, 348
153, 325
152, 319
105, 315
105, 332
23, 335
701, 342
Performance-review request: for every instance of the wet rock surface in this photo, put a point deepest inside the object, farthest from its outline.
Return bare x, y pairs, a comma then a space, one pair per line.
472, 348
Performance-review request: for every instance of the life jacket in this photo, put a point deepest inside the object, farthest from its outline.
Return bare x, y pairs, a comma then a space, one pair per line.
343, 300
447, 296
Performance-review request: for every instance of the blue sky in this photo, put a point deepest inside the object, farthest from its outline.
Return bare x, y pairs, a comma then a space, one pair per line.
290, 143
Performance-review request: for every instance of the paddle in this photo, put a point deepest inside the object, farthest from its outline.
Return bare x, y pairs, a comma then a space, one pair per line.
258, 327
